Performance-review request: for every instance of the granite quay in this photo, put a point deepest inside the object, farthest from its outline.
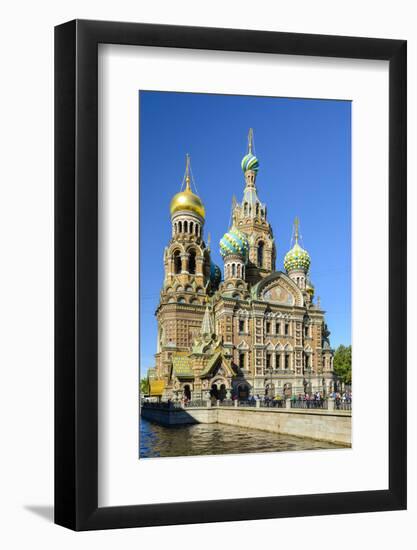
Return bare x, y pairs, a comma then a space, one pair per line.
290, 417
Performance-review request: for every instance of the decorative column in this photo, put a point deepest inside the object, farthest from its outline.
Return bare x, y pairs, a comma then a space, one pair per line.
199, 263
184, 263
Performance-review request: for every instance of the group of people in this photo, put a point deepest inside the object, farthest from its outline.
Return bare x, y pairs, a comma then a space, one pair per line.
344, 397
316, 396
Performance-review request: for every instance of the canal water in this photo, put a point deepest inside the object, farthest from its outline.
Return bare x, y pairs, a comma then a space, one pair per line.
217, 439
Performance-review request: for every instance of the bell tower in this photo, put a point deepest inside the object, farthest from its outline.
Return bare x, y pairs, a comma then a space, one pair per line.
250, 216
187, 258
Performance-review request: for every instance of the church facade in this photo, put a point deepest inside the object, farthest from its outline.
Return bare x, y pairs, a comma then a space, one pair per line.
255, 330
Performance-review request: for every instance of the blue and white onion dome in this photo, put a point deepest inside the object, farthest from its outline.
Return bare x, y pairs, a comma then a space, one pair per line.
215, 274
234, 242
250, 162
297, 259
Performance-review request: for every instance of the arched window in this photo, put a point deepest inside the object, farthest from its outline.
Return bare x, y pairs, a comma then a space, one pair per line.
177, 261
268, 360
238, 270
233, 270
260, 254
180, 227
175, 228
245, 209
257, 209
191, 262
185, 227
287, 361
196, 229
191, 227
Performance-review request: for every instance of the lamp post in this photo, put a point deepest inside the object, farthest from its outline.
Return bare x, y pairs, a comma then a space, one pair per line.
307, 385
270, 371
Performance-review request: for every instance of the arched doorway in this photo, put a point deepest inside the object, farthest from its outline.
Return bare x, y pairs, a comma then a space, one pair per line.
243, 392
187, 392
214, 391
222, 392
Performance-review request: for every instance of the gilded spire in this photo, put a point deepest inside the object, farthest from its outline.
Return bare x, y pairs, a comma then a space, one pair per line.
187, 172
250, 140
296, 229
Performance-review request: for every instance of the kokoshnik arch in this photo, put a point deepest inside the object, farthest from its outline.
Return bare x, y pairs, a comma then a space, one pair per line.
257, 331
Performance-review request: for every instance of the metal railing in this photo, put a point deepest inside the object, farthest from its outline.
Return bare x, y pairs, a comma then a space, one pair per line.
227, 403
247, 403
161, 405
196, 403
309, 404
273, 403
343, 405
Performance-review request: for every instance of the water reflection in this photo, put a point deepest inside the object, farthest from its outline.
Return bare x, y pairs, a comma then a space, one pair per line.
215, 439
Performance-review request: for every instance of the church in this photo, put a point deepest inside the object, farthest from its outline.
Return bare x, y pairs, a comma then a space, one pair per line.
253, 331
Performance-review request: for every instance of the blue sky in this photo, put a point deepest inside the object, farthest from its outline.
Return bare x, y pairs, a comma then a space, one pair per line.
304, 150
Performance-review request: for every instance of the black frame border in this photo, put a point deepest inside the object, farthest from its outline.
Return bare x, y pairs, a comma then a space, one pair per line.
76, 271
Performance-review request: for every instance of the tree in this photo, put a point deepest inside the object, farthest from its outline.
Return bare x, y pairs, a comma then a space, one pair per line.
343, 363
144, 386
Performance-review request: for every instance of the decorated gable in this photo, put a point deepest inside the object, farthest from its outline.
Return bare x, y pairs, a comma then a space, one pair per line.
279, 289
278, 295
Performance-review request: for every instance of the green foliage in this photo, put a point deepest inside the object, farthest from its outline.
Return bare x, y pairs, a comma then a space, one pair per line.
343, 363
144, 386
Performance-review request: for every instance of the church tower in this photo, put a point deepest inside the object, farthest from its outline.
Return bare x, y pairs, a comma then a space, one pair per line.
187, 259
190, 277
250, 217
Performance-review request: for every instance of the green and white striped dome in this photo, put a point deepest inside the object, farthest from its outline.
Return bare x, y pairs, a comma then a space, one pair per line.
250, 162
297, 259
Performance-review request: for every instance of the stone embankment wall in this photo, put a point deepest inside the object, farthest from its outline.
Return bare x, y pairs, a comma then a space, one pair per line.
332, 426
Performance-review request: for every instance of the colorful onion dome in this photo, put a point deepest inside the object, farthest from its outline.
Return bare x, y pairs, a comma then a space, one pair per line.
215, 274
297, 259
234, 242
250, 162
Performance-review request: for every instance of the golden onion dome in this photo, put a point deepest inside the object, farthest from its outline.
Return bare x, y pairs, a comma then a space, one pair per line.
187, 200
